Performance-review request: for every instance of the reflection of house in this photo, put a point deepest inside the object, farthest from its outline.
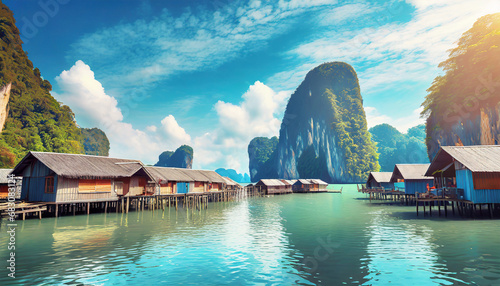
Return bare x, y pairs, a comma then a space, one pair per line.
380, 180
273, 186
181, 181
476, 170
57, 177
309, 185
413, 176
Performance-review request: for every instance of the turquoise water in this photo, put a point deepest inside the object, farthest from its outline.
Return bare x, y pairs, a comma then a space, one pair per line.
299, 239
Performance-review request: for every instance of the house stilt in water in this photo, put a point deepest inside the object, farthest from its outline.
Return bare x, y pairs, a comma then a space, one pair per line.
473, 170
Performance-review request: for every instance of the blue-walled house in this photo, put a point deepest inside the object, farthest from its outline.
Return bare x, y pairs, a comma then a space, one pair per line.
475, 168
413, 176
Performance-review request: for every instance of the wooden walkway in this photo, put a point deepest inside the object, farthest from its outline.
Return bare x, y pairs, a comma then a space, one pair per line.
123, 204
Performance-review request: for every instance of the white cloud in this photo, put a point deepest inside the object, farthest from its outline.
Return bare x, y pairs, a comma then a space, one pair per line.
374, 117
397, 52
256, 115
151, 128
93, 107
143, 52
176, 135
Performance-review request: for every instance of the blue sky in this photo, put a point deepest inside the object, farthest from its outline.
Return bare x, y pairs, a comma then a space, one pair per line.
214, 74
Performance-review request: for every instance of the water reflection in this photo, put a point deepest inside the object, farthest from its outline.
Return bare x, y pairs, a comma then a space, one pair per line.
401, 253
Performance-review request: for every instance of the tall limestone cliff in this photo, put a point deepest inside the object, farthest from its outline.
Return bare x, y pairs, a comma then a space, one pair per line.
324, 133
4, 101
181, 158
463, 106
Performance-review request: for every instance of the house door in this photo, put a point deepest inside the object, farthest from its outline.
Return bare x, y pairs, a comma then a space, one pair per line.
182, 188
119, 188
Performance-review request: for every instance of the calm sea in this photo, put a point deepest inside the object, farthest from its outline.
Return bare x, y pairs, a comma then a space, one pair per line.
299, 239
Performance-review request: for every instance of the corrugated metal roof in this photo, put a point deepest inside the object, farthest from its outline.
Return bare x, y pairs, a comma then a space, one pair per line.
380, 177
271, 182
82, 166
3, 175
318, 181
303, 182
184, 175
480, 158
410, 172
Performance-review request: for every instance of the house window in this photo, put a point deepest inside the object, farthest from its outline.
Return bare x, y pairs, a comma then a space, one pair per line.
49, 185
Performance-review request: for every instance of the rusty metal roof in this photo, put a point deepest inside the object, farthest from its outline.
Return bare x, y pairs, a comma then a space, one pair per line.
410, 172
480, 158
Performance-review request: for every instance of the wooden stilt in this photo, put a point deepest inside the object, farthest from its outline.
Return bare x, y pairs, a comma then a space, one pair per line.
88, 208
128, 203
57, 210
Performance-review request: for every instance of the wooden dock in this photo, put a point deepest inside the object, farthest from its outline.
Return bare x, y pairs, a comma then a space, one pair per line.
123, 204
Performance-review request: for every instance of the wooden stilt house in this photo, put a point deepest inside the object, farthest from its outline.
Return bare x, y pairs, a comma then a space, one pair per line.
319, 185
273, 186
380, 180
181, 181
413, 176
473, 170
61, 178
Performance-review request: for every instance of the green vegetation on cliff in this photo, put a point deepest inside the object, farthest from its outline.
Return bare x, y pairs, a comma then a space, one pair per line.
262, 158
36, 121
95, 142
181, 158
470, 82
395, 147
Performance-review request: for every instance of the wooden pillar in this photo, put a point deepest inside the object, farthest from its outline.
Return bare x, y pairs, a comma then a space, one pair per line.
424, 207
417, 207
128, 203
445, 204
439, 207
57, 210
453, 207
490, 210
88, 208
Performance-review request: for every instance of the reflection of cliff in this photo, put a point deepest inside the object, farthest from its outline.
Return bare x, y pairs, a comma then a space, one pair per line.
4, 100
479, 129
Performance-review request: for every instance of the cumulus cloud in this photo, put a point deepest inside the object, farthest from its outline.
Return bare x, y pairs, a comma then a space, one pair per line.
176, 135
93, 107
256, 115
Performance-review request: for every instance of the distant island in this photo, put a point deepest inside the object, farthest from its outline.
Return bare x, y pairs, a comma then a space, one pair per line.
181, 158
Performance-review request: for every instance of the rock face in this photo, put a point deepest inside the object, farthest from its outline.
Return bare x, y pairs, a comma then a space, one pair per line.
181, 158
471, 129
323, 134
261, 160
